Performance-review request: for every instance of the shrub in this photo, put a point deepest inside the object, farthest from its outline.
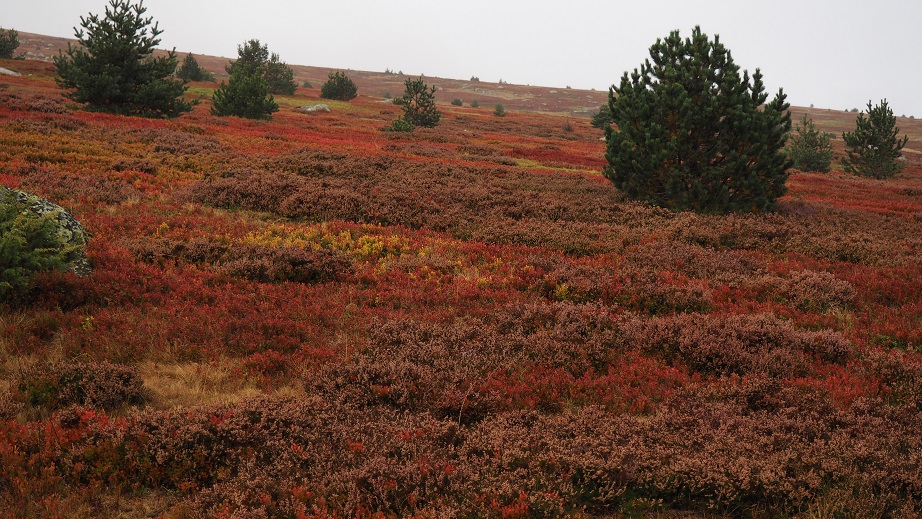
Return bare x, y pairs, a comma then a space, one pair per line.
53, 386
499, 111
418, 103
29, 243
691, 135
400, 125
113, 68
246, 93
475, 104
9, 41
873, 148
339, 87
191, 71
307, 84
457, 102
809, 148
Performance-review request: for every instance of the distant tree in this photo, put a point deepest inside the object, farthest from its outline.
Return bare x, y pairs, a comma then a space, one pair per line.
457, 102
475, 79
873, 149
694, 134
602, 118
246, 93
338, 87
9, 41
475, 104
253, 56
307, 84
809, 149
499, 111
191, 71
113, 68
418, 103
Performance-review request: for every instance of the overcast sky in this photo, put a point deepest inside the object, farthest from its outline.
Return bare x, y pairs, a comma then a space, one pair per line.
832, 53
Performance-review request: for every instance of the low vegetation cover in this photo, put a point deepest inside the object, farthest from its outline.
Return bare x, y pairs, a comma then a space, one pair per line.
307, 317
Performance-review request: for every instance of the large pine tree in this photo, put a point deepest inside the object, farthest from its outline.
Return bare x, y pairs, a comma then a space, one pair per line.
692, 132
113, 68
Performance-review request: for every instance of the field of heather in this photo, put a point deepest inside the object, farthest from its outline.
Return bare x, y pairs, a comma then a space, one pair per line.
310, 317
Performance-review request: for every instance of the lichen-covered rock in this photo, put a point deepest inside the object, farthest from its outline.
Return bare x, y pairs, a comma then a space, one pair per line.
68, 228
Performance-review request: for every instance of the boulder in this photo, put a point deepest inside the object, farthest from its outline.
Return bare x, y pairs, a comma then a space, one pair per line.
68, 228
315, 108
8, 72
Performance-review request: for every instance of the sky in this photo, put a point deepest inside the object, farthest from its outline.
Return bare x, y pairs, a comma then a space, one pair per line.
832, 54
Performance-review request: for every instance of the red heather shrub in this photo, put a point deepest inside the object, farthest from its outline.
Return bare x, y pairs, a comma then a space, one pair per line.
262, 263
817, 291
736, 344
53, 386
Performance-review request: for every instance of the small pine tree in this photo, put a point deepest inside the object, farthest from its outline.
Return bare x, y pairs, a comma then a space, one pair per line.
113, 68
190, 70
499, 111
9, 41
280, 77
253, 57
873, 149
418, 103
809, 149
475, 104
246, 93
695, 134
457, 102
602, 118
338, 87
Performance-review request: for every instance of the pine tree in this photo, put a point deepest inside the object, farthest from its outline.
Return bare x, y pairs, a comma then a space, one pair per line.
280, 77
602, 118
9, 41
246, 93
190, 70
339, 87
873, 149
254, 56
809, 148
690, 132
418, 104
113, 68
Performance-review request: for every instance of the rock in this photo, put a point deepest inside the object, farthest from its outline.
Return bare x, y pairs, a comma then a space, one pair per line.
315, 108
69, 229
8, 72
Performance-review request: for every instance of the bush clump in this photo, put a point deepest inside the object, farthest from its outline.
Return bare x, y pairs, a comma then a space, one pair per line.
873, 149
691, 134
29, 243
56, 385
499, 111
809, 148
338, 87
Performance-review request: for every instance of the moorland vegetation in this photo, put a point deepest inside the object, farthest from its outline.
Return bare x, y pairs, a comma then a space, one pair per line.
309, 317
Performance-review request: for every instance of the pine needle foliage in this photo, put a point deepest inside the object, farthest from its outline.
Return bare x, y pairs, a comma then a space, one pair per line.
190, 70
9, 42
693, 134
418, 102
246, 93
113, 69
809, 148
873, 149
